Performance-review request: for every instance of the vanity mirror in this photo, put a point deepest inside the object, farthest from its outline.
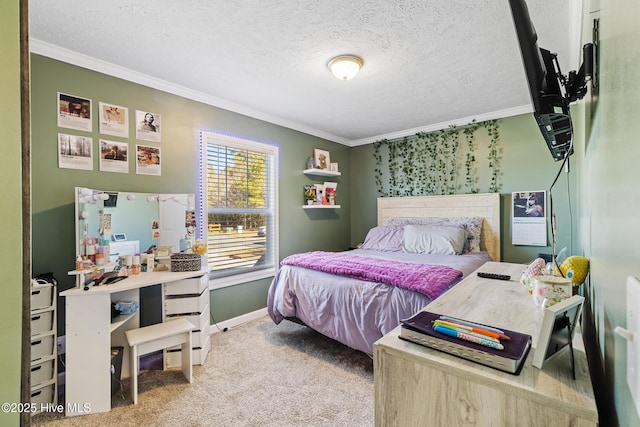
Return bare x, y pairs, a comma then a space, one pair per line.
130, 222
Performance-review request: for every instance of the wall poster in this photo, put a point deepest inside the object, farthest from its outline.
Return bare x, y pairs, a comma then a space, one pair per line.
529, 215
148, 126
114, 120
114, 156
74, 112
75, 152
148, 160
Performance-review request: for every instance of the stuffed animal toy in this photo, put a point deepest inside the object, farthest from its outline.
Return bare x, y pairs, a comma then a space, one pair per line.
575, 268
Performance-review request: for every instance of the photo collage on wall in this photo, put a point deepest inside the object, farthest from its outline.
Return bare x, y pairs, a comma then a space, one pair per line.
76, 151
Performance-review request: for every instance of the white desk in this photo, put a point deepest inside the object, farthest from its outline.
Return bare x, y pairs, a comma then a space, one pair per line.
419, 386
90, 334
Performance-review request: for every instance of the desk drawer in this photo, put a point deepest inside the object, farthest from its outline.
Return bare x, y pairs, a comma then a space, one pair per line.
173, 358
199, 338
200, 321
42, 372
193, 286
42, 322
187, 305
203, 327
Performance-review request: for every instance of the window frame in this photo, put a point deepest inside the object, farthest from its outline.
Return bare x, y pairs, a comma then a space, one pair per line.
213, 138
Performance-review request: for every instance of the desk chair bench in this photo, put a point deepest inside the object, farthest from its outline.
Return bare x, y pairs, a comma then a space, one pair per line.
158, 337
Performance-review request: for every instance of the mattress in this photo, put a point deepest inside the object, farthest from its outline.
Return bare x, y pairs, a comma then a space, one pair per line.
355, 312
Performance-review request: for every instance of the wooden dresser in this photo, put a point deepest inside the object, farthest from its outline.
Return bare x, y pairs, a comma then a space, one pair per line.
418, 386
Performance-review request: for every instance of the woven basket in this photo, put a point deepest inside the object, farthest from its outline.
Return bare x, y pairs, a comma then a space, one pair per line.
185, 262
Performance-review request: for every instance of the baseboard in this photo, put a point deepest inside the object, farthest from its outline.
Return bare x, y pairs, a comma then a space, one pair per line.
237, 321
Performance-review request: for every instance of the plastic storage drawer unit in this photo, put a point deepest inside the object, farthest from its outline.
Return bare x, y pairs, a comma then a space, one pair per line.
42, 322
41, 296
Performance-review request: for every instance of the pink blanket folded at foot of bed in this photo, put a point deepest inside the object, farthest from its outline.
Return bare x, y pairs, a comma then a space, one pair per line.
428, 279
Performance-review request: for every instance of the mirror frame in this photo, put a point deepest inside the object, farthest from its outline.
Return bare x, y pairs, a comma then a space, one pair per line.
91, 211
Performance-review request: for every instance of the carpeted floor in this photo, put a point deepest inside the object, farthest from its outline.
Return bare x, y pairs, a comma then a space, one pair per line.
257, 374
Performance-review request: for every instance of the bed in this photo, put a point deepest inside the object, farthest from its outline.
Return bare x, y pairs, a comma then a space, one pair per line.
357, 296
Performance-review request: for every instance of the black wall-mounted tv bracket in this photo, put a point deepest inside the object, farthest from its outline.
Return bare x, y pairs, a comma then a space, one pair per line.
575, 83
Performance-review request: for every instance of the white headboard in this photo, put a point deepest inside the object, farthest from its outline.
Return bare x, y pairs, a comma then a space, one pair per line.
486, 205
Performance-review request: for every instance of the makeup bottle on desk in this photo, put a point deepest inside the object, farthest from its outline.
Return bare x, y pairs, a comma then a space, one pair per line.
135, 266
100, 260
91, 252
127, 263
103, 248
151, 262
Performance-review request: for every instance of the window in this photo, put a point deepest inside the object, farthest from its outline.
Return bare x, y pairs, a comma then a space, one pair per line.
237, 207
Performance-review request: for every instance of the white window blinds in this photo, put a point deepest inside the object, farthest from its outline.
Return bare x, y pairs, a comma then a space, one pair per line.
239, 180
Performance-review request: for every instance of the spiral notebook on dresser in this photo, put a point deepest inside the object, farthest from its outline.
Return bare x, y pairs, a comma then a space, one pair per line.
504, 354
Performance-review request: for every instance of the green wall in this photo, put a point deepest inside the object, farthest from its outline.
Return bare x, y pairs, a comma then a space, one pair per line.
11, 262
182, 120
610, 199
520, 144
605, 168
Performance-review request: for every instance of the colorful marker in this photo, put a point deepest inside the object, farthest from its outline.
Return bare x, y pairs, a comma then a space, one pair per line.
476, 325
459, 334
468, 329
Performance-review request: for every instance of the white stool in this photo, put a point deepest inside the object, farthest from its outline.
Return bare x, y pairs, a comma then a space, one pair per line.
158, 337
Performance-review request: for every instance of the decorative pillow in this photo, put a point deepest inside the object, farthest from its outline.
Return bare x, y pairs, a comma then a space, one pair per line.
472, 225
426, 239
384, 238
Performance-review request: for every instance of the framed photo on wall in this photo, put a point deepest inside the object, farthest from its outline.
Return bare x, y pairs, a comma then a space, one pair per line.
322, 158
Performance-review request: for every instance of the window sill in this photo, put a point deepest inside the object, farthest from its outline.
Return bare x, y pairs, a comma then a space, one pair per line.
224, 282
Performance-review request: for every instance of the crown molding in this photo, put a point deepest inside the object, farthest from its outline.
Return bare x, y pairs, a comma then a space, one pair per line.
49, 50
500, 114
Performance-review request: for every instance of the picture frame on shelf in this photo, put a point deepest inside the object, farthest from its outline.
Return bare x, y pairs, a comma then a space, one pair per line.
333, 167
322, 158
319, 194
330, 193
309, 194
557, 330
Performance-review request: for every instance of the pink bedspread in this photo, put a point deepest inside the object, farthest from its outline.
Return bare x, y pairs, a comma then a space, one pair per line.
428, 279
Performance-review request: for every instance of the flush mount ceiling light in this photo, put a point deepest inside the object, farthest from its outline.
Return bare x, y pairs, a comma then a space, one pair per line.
345, 67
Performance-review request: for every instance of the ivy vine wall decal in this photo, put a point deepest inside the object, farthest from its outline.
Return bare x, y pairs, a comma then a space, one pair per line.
432, 163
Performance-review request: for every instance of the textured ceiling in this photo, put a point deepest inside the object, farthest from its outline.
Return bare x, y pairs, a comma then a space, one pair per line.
427, 63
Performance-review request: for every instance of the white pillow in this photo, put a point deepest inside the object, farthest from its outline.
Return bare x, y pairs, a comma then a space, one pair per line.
426, 239
472, 225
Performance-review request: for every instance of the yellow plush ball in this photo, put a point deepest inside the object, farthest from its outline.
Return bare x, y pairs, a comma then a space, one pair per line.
579, 265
